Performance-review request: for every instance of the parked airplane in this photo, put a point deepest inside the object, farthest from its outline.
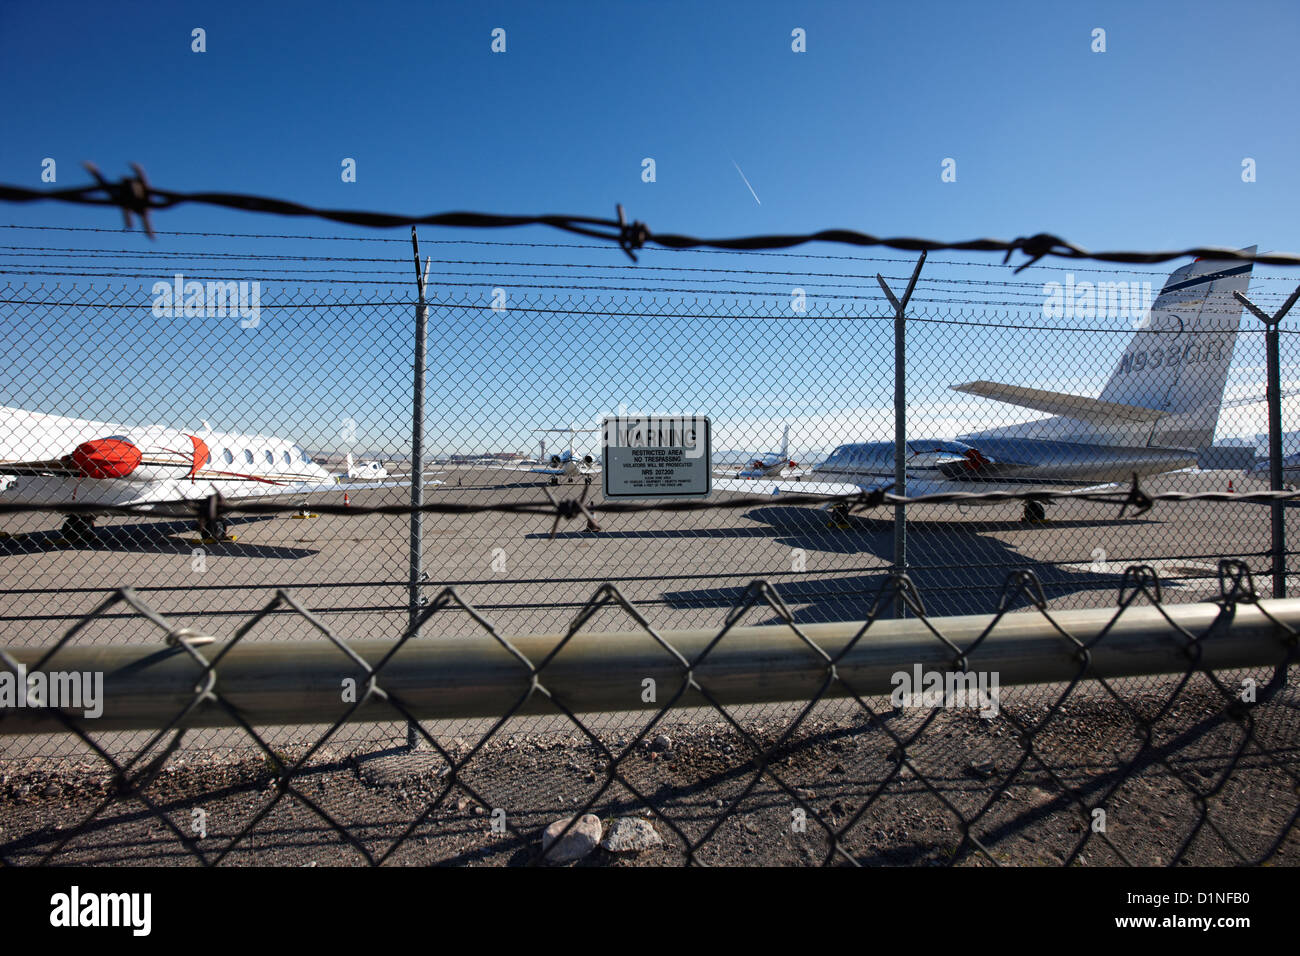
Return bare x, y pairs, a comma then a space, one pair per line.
774, 464
1159, 406
567, 464
49, 459
366, 469
1290, 469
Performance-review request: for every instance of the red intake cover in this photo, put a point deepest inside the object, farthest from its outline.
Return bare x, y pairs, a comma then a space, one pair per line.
106, 458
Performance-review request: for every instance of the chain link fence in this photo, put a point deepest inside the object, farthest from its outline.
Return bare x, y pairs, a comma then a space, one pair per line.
311, 365
1197, 766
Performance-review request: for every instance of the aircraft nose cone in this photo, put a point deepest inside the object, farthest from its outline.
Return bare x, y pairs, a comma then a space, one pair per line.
106, 458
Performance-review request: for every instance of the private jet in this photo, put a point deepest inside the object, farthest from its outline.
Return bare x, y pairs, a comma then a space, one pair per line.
569, 465
365, 470
1160, 405
774, 464
49, 459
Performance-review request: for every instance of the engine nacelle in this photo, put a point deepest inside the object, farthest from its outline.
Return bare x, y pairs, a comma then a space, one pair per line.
119, 457
555, 461
106, 458
588, 460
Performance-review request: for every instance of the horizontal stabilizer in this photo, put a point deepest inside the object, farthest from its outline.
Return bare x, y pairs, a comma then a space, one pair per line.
1060, 403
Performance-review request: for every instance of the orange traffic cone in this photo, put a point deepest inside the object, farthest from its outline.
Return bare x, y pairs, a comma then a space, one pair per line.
347, 502
1230, 491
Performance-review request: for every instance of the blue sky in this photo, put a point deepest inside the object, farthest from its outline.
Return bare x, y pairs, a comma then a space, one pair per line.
1137, 147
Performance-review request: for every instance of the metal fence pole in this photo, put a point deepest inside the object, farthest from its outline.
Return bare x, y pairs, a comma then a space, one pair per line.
900, 421
417, 455
1274, 395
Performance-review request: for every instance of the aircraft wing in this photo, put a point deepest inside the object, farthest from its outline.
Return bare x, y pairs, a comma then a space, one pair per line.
1060, 403
317, 488
54, 466
362, 485
560, 472
773, 487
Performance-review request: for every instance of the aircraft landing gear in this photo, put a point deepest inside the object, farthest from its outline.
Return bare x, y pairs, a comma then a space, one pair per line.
840, 518
78, 529
215, 531
1035, 513
554, 480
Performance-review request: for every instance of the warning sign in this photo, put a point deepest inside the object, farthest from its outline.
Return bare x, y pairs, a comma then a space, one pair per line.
657, 456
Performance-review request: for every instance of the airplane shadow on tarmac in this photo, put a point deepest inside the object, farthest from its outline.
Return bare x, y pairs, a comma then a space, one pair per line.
958, 567
151, 537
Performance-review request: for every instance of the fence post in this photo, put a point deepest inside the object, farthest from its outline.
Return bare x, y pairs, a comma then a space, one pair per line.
900, 422
1274, 394
417, 455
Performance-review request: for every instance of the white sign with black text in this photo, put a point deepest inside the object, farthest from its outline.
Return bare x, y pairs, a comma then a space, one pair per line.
657, 456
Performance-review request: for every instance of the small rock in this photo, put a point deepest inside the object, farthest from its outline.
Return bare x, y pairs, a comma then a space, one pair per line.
630, 835
803, 793
982, 769
581, 839
662, 743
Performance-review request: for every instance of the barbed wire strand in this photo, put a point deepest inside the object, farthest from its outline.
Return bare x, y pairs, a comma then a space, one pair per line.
134, 196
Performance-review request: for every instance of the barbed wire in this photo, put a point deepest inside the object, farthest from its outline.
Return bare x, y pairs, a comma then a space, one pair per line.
134, 196
401, 266
1016, 320
1029, 296
1078, 266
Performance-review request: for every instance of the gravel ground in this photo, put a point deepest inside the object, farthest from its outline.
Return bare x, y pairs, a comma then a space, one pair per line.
960, 770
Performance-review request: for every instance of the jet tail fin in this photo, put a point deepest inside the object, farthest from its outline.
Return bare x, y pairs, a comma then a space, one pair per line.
1166, 388
785, 443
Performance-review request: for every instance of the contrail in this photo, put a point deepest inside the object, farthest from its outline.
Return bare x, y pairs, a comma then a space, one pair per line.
751, 188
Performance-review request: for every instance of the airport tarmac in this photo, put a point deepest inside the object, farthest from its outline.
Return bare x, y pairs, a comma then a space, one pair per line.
685, 569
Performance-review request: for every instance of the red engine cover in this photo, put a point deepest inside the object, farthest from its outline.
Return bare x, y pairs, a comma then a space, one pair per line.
106, 458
